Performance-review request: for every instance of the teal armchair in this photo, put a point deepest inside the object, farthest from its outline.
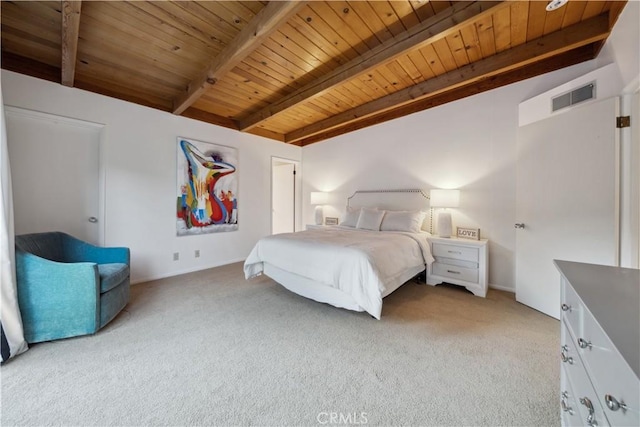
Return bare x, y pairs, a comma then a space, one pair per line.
67, 287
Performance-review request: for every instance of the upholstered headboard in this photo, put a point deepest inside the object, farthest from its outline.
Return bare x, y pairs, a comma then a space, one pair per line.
394, 200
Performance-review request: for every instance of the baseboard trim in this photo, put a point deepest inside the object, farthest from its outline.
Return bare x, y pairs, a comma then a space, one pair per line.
502, 288
186, 271
231, 261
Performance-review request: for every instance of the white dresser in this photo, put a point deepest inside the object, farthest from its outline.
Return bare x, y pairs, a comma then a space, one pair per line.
460, 262
600, 345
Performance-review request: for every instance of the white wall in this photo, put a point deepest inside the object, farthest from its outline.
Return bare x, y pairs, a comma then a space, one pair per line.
622, 47
468, 144
139, 157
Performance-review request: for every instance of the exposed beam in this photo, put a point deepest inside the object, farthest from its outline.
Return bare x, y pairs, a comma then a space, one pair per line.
432, 29
267, 134
70, 31
214, 119
249, 38
576, 56
23, 65
583, 33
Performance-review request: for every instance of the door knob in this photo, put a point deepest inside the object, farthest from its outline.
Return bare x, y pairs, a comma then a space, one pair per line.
519, 225
93, 219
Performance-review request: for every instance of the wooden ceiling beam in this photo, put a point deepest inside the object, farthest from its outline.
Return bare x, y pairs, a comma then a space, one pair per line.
430, 30
267, 134
576, 56
70, 32
214, 119
23, 65
249, 38
577, 35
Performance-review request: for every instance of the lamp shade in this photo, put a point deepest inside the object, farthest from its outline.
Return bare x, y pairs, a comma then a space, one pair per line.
444, 198
319, 198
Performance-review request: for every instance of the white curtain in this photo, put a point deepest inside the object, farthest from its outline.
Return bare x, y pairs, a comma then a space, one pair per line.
13, 342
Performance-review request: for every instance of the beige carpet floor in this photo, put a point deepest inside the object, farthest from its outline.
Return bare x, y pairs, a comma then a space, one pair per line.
210, 348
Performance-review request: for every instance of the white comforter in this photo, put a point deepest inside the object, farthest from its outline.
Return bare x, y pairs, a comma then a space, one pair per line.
357, 262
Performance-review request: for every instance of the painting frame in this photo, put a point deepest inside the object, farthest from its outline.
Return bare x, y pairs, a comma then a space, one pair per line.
206, 187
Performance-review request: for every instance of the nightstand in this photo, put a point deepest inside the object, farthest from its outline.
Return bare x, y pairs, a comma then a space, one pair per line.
460, 262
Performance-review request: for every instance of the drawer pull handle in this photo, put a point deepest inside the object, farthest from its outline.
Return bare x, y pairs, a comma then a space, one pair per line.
455, 252
565, 307
585, 344
591, 419
453, 271
563, 403
564, 357
613, 404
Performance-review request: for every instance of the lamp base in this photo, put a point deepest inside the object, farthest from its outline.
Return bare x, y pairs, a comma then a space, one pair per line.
444, 224
319, 215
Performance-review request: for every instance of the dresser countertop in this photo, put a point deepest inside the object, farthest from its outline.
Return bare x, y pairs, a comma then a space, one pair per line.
612, 295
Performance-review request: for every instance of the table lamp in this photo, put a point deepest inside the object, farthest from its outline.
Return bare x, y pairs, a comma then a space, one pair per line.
319, 198
444, 199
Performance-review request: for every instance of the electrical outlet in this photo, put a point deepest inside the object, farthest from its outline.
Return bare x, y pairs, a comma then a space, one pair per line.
176, 256
197, 253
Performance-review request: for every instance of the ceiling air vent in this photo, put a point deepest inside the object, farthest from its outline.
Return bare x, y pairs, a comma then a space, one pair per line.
574, 97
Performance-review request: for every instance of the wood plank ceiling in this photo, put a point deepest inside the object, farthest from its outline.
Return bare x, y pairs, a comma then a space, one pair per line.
297, 72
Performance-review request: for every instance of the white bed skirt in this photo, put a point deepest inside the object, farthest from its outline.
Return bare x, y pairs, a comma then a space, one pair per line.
326, 294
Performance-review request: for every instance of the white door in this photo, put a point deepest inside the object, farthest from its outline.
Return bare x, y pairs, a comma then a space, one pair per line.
283, 197
55, 174
566, 199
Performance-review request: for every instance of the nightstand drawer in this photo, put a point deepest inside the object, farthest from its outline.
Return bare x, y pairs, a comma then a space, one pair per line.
455, 272
464, 253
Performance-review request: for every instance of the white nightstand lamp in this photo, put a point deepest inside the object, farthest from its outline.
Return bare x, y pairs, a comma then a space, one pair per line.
444, 199
319, 198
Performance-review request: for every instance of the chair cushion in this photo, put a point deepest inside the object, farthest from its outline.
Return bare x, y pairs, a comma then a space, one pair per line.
111, 275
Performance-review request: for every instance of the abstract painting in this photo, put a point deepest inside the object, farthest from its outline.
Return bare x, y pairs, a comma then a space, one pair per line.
207, 189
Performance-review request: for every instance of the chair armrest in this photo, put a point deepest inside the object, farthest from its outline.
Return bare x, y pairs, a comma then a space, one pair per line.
76, 250
56, 296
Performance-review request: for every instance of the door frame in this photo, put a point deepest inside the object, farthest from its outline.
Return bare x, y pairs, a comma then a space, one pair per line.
101, 128
297, 202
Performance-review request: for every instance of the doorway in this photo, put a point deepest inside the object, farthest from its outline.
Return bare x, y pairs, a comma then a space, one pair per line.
55, 174
285, 195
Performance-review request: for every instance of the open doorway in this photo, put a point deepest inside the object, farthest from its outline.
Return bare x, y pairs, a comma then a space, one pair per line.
285, 195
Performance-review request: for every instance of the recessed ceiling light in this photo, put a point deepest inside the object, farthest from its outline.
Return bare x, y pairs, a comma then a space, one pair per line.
555, 4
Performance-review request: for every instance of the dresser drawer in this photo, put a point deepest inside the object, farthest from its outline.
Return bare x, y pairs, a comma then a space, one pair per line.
609, 373
586, 399
568, 403
600, 335
455, 272
572, 309
463, 253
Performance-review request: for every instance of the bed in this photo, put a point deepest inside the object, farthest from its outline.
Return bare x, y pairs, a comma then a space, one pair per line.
380, 245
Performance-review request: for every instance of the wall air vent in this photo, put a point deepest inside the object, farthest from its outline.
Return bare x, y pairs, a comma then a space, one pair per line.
574, 97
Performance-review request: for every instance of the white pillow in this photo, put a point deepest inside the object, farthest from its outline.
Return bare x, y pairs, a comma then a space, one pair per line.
370, 219
403, 221
351, 217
